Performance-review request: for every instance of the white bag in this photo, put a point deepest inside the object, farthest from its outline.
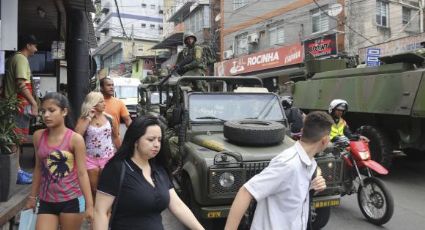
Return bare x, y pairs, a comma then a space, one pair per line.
27, 220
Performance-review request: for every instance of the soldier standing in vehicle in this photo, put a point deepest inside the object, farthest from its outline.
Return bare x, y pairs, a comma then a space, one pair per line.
282, 188
190, 61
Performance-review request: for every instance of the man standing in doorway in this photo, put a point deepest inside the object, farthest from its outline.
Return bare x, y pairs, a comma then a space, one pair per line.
18, 84
114, 106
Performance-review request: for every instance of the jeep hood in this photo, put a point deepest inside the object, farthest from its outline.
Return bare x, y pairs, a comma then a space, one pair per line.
218, 142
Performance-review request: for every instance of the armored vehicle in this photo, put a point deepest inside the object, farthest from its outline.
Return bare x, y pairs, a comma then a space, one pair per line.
386, 103
220, 138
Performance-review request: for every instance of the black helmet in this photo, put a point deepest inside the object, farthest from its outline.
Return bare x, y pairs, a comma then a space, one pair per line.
287, 102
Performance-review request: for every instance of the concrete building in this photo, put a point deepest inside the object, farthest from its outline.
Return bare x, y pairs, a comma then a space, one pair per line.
188, 15
251, 30
127, 35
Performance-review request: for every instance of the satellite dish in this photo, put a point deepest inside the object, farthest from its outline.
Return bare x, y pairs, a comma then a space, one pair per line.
335, 9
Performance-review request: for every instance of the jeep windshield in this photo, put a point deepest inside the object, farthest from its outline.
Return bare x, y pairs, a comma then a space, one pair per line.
234, 106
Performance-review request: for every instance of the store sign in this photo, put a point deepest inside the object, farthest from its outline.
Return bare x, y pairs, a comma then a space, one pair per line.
287, 55
396, 46
321, 47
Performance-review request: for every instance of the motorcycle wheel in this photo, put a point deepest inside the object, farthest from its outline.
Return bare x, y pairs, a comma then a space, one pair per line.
321, 218
375, 201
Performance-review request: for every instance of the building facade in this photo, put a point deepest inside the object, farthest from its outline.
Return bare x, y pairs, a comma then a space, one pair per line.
127, 34
324, 29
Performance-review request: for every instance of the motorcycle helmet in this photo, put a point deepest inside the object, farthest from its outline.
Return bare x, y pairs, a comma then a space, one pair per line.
338, 104
287, 102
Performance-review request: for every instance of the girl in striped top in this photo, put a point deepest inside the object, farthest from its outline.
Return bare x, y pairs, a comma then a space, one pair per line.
60, 178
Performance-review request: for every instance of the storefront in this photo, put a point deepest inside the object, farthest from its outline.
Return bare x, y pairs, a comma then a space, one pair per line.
274, 66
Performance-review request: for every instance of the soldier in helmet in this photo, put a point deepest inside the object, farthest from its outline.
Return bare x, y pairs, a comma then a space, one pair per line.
190, 60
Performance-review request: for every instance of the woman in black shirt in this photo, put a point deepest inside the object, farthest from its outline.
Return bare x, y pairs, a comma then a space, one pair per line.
146, 189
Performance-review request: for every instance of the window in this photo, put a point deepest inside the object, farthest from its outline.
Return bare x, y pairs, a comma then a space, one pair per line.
242, 44
143, 5
320, 21
276, 35
143, 25
152, 7
195, 22
405, 16
152, 26
239, 3
42, 62
382, 13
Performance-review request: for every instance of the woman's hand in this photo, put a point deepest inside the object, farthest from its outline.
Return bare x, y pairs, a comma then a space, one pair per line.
89, 213
31, 203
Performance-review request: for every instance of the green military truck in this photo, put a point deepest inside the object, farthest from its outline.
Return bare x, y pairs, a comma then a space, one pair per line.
386, 103
221, 138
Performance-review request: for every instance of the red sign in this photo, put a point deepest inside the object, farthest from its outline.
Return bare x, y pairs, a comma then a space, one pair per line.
287, 55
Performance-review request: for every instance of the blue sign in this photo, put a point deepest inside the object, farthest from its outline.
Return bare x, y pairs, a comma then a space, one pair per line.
372, 57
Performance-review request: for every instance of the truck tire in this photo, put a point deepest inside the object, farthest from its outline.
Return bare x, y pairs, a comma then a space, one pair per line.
380, 147
254, 132
322, 218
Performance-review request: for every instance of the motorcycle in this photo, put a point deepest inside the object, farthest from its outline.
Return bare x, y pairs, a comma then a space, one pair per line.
374, 199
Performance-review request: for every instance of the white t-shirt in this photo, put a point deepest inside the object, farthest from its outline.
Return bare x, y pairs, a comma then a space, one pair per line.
281, 191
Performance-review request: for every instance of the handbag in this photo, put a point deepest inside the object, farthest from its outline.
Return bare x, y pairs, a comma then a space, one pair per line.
27, 220
114, 205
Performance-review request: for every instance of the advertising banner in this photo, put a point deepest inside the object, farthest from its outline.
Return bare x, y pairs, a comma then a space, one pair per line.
322, 46
272, 58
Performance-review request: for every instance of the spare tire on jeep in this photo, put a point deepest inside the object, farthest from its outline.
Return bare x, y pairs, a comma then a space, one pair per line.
254, 132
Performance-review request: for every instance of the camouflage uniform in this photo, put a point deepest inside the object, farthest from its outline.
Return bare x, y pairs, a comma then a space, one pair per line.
190, 61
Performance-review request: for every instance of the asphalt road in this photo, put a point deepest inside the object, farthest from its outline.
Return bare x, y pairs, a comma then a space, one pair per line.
406, 182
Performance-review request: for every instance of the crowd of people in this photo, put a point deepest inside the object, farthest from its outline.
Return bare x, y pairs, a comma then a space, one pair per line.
86, 172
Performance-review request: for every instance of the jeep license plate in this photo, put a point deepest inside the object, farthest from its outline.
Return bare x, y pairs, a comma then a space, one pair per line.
326, 203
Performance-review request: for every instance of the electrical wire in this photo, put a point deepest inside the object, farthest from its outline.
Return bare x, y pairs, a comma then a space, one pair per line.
336, 19
119, 17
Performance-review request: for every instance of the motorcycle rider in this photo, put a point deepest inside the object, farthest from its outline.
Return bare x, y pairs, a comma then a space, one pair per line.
338, 108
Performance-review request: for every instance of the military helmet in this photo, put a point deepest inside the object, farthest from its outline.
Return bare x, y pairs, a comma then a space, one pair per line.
338, 104
188, 34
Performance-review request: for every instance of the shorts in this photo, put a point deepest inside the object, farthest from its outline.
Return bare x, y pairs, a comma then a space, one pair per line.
76, 205
96, 162
22, 120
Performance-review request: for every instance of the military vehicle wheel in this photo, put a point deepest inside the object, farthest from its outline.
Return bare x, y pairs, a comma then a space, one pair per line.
189, 199
254, 132
321, 218
380, 147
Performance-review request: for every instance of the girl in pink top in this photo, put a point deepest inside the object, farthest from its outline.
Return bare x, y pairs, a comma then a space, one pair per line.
100, 135
60, 176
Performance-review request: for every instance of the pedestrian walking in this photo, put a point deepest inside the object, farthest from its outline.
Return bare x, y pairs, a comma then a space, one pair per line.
114, 106
135, 184
60, 181
18, 84
100, 135
281, 190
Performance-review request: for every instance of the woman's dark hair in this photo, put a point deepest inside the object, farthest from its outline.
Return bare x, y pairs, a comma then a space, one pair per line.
137, 129
61, 101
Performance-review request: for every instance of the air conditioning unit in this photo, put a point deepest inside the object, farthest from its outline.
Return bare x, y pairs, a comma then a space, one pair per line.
228, 54
252, 38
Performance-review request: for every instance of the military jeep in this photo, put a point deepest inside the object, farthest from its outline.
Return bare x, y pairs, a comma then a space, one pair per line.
221, 138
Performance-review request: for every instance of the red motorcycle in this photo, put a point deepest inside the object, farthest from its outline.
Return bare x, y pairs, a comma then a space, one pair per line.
374, 199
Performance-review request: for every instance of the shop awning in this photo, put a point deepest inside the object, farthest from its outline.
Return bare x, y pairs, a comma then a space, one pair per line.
171, 41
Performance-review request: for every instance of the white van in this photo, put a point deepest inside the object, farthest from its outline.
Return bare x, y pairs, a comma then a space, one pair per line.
126, 90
